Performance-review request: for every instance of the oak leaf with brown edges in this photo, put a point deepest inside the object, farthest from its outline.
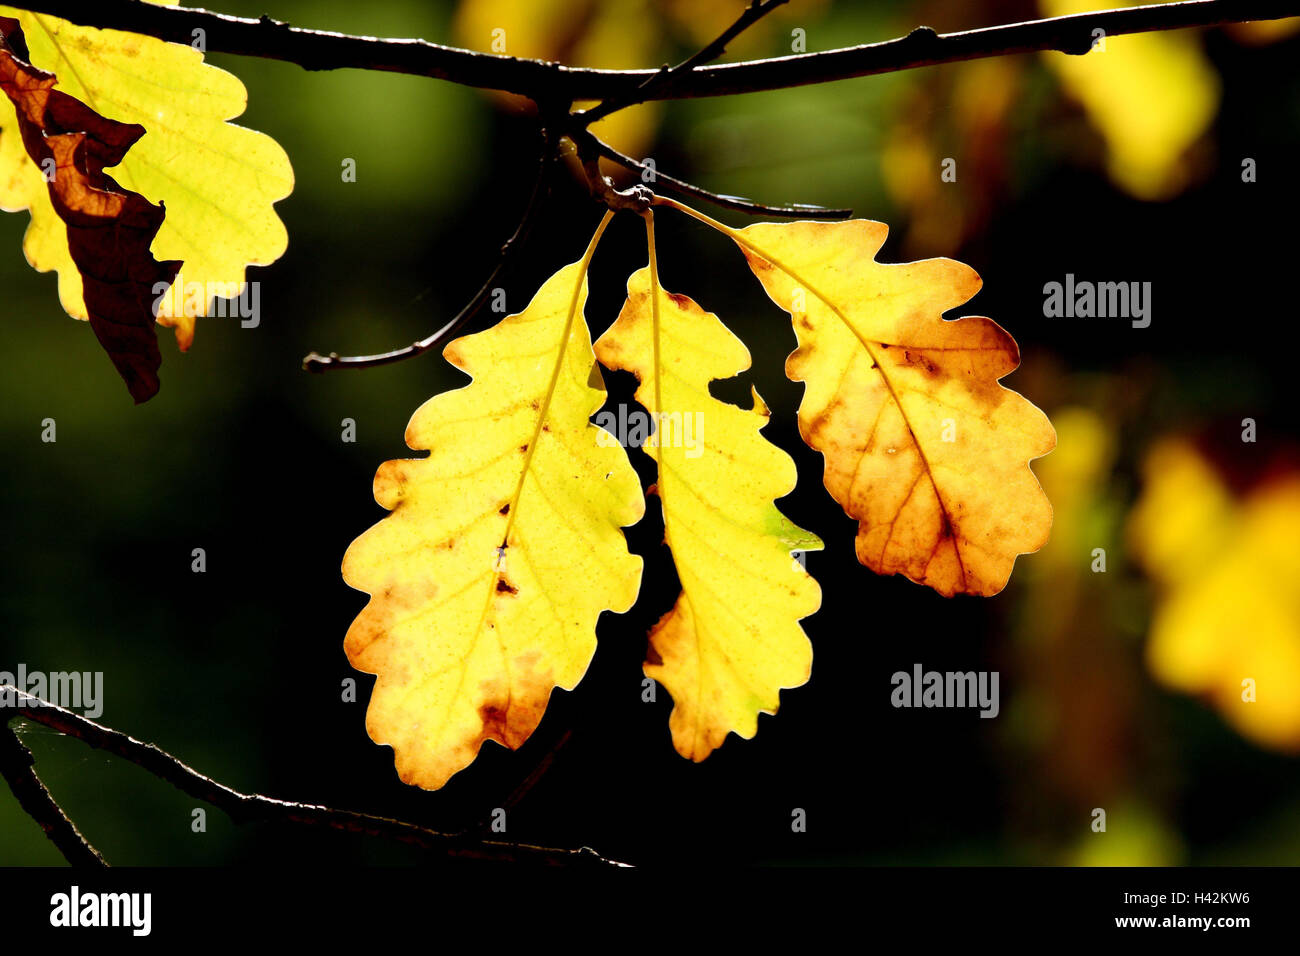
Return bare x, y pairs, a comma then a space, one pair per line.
922, 445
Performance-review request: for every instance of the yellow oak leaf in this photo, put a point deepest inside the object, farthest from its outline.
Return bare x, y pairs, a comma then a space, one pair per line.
1151, 96
217, 180
922, 446
1227, 623
732, 641
503, 546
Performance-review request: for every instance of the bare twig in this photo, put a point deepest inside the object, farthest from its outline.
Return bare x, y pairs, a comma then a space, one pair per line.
315, 362
737, 203
18, 767
537, 772
245, 807
707, 54
319, 50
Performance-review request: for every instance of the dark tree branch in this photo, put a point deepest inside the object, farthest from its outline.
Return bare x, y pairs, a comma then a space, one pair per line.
315, 362
551, 83
319, 50
18, 767
245, 807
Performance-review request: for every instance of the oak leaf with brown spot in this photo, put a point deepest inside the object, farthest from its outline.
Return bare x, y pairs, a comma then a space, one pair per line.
922, 445
503, 545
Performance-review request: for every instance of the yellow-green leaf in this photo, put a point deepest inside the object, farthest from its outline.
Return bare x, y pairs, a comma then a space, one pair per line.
922, 445
217, 180
503, 546
732, 641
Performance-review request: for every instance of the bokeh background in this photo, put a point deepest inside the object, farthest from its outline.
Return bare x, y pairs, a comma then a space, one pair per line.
1120, 690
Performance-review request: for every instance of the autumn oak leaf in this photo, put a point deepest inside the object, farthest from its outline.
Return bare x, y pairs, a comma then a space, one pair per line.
219, 181
732, 640
503, 546
922, 445
108, 229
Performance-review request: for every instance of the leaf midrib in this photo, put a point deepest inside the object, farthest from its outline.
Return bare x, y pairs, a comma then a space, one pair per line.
880, 370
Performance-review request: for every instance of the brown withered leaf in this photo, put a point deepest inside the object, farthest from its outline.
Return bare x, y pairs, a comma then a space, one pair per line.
110, 229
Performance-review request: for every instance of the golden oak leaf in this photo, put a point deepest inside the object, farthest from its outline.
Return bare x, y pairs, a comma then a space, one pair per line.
218, 180
503, 546
922, 445
1227, 622
732, 641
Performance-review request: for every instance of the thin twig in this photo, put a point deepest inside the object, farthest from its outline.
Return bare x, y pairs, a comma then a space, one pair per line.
246, 807
315, 362
707, 54
537, 772
319, 50
18, 767
737, 203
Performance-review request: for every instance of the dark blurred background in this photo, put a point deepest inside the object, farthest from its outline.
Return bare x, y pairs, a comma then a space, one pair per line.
238, 671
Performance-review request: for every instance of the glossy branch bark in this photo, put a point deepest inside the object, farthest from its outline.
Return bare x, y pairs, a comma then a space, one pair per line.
321, 50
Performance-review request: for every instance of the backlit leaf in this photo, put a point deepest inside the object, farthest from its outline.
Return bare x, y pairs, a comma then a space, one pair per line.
503, 546
1151, 96
217, 180
922, 445
732, 641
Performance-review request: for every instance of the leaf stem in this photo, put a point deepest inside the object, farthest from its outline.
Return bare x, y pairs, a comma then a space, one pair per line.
583, 265
737, 203
654, 324
696, 214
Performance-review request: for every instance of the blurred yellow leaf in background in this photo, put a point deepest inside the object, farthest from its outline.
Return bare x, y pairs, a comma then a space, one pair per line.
1074, 477
919, 161
1228, 625
1150, 96
616, 35
609, 34
1135, 835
